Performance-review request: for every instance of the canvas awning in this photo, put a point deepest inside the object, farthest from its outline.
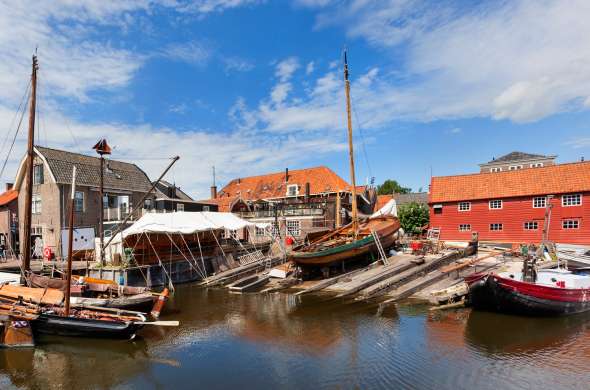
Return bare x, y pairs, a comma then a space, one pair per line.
390, 208
187, 223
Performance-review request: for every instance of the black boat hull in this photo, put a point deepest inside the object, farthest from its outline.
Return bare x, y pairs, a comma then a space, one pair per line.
82, 327
487, 294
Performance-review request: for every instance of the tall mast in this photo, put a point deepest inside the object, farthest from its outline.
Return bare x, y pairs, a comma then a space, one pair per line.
350, 148
70, 244
29, 173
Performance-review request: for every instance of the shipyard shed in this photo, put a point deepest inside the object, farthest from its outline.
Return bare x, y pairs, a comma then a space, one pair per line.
511, 206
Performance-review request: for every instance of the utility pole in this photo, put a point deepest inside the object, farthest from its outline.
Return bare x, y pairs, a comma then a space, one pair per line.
29, 173
101, 148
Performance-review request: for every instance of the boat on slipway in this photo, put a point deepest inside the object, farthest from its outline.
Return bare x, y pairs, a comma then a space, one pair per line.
342, 244
551, 292
359, 238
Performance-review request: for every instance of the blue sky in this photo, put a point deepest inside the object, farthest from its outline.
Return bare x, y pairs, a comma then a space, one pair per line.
256, 86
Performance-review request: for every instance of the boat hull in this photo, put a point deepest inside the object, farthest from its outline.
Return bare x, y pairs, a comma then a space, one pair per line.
494, 293
81, 327
363, 247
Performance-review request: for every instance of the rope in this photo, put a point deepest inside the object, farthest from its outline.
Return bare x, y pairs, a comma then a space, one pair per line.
161, 265
25, 95
218, 244
186, 258
12, 144
201, 252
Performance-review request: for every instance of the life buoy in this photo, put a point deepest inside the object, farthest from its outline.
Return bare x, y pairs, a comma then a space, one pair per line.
47, 253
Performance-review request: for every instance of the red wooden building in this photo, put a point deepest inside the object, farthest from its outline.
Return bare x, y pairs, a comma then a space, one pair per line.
509, 207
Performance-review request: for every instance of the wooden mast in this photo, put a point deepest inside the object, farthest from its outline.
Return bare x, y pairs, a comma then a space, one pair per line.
29, 172
70, 244
350, 149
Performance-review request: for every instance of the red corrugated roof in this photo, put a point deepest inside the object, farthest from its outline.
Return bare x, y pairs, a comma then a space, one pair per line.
555, 179
8, 197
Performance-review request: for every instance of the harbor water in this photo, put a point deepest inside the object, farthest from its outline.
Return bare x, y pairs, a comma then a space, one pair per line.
253, 341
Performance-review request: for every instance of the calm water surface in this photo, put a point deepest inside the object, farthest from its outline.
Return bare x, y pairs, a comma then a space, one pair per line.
279, 341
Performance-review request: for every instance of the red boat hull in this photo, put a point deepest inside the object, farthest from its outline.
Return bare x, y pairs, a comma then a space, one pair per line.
495, 293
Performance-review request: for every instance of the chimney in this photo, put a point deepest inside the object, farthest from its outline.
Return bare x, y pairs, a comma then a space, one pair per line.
307, 191
9, 186
286, 175
214, 186
582, 160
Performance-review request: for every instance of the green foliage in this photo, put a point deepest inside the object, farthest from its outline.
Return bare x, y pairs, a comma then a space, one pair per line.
413, 216
392, 186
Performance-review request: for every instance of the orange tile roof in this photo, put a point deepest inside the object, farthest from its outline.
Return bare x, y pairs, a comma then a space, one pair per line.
555, 179
321, 179
8, 197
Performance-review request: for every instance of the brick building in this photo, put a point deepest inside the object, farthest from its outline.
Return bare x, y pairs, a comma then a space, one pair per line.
124, 186
509, 206
9, 220
298, 201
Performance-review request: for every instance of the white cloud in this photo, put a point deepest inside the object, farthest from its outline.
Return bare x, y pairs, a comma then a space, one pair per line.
208, 6
455, 130
286, 68
237, 64
77, 59
309, 68
521, 60
178, 108
195, 53
579, 143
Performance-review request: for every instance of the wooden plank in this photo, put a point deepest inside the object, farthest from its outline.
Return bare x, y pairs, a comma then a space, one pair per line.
388, 272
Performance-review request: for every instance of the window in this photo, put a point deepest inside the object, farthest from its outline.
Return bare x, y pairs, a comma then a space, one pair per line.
571, 200
259, 231
206, 208
496, 227
495, 204
147, 204
36, 206
539, 202
514, 167
537, 165
496, 169
534, 225
570, 224
180, 207
465, 227
437, 208
294, 228
38, 174
36, 230
464, 206
292, 190
79, 201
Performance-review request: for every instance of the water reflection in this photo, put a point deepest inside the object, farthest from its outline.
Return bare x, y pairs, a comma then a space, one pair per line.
271, 341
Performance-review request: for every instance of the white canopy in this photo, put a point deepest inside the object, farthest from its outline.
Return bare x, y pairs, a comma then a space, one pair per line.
181, 222
390, 208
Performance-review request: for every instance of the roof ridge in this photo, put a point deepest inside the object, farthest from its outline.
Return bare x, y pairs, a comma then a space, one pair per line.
282, 172
84, 155
516, 170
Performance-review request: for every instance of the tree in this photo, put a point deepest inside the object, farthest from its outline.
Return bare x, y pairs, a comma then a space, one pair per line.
392, 187
413, 216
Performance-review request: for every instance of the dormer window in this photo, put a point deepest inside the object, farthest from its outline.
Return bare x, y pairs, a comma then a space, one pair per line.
292, 190
496, 169
514, 167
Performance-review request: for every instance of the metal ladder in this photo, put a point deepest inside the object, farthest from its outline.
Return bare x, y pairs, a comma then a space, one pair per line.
379, 247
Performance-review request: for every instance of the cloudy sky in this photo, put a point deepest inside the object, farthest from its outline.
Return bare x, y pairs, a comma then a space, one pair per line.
254, 86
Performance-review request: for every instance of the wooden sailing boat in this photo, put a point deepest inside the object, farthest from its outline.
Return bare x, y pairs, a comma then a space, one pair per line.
357, 238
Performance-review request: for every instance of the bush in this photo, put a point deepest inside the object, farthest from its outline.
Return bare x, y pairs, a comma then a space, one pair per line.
413, 216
